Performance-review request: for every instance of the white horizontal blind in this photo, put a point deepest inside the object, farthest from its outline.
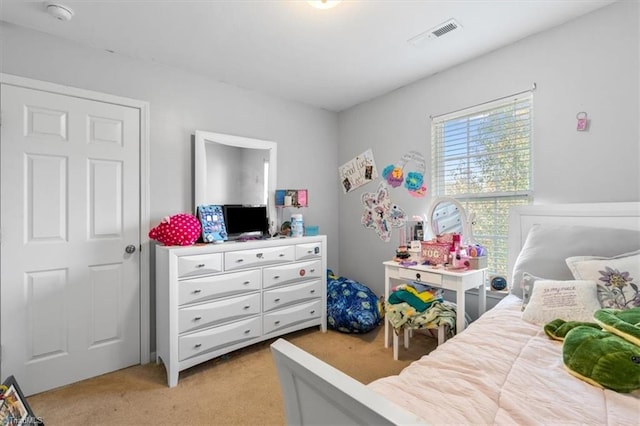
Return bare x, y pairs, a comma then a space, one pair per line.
482, 157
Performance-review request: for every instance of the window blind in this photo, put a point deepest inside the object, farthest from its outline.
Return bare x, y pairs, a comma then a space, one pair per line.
481, 156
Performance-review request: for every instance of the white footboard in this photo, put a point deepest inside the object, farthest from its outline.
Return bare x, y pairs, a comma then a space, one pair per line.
316, 393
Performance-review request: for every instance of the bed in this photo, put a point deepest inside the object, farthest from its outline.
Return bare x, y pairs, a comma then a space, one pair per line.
501, 369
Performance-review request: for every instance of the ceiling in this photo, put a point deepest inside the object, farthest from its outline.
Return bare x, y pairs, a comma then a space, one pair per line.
332, 59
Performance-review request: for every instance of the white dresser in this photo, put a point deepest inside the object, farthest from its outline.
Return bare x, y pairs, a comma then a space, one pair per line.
212, 299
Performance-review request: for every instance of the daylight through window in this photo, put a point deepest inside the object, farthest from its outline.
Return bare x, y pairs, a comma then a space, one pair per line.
482, 158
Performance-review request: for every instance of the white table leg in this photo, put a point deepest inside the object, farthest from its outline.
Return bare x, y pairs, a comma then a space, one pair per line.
482, 296
395, 346
387, 327
460, 311
440, 334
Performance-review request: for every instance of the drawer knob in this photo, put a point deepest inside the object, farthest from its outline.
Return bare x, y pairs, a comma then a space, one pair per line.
240, 260
196, 291
197, 345
418, 276
277, 322
197, 318
247, 331
312, 270
281, 255
277, 300
312, 291
247, 306
246, 282
313, 311
259, 255
200, 265
276, 277
309, 251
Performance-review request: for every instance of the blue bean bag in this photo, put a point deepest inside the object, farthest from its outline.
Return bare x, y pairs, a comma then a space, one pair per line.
351, 306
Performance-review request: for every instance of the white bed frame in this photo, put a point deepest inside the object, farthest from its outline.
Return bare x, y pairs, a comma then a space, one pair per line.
316, 393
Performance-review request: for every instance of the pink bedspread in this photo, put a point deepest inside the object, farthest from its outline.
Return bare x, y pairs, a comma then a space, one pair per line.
503, 370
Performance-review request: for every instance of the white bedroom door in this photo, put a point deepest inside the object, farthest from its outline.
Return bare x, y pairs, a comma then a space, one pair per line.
70, 278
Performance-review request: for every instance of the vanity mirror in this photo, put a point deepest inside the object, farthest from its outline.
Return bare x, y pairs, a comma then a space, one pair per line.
236, 170
447, 215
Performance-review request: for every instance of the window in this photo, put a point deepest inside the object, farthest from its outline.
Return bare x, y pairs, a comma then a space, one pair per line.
482, 157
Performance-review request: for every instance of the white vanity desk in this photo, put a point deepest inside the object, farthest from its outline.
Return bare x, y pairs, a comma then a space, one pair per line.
212, 299
458, 281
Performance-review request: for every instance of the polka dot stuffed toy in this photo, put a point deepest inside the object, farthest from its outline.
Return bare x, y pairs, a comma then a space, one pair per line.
182, 229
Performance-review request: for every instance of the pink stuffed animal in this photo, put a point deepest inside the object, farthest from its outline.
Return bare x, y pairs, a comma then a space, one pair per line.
182, 229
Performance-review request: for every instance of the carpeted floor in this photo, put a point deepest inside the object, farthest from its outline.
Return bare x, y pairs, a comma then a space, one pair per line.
240, 388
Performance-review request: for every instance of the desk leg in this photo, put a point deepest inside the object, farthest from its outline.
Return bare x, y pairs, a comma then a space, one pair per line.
387, 327
482, 296
460, 312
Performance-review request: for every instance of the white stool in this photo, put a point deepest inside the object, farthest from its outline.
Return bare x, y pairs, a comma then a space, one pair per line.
408, 332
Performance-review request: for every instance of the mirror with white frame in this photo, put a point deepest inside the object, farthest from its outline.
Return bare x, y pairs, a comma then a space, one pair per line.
232, 169
447, 216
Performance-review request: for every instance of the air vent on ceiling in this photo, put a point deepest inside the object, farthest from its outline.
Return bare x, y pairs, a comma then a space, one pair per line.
435, 32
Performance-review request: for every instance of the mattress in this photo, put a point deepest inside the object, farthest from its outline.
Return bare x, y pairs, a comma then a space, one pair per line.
503, 370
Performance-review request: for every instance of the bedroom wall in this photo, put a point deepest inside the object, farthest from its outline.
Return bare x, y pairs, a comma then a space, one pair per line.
589, 64
182, 102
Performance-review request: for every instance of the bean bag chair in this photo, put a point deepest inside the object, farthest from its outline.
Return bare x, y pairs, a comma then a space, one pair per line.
351, 306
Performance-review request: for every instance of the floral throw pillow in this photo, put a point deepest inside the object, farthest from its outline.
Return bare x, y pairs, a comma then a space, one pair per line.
617, 277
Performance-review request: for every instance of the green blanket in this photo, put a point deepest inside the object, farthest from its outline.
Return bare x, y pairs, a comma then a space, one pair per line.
439, 313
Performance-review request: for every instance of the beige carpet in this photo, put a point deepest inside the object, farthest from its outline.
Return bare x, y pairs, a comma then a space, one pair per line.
240, 388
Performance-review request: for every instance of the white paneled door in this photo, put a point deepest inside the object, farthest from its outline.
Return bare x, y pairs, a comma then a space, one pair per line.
70, 278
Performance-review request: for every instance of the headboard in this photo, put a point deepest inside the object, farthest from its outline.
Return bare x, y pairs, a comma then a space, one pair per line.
618, 215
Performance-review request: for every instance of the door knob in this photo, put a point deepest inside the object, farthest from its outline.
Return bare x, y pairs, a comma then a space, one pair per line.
130, 248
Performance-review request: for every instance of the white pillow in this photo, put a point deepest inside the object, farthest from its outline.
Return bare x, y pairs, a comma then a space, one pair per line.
528, 283
547, 246
617, 277
568, 300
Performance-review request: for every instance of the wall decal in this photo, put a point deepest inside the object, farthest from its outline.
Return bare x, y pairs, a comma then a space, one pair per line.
358, 171
380, 214
414, 180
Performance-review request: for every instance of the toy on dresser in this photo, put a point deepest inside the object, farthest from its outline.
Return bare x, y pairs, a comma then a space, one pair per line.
212, 221
182, 229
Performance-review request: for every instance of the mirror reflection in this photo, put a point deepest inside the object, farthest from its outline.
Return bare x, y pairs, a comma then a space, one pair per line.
448, 216
236, 175
232, 169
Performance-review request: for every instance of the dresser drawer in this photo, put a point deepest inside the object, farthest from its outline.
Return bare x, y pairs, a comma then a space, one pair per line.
249, 258
421, 276
199, 264
208, 314
283, 274
308, 251
201, 289
287, 317
214, 338
283, 296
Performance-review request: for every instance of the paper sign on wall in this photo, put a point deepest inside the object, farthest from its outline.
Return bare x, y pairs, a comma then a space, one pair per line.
358, 171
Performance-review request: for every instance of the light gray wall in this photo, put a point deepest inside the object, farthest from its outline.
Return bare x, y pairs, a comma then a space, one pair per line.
182, 102
589, 64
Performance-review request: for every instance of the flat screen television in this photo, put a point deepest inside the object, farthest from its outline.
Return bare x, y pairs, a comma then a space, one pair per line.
246, 221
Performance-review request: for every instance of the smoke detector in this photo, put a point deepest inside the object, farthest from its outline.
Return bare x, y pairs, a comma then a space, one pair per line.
59, 11
435, 32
